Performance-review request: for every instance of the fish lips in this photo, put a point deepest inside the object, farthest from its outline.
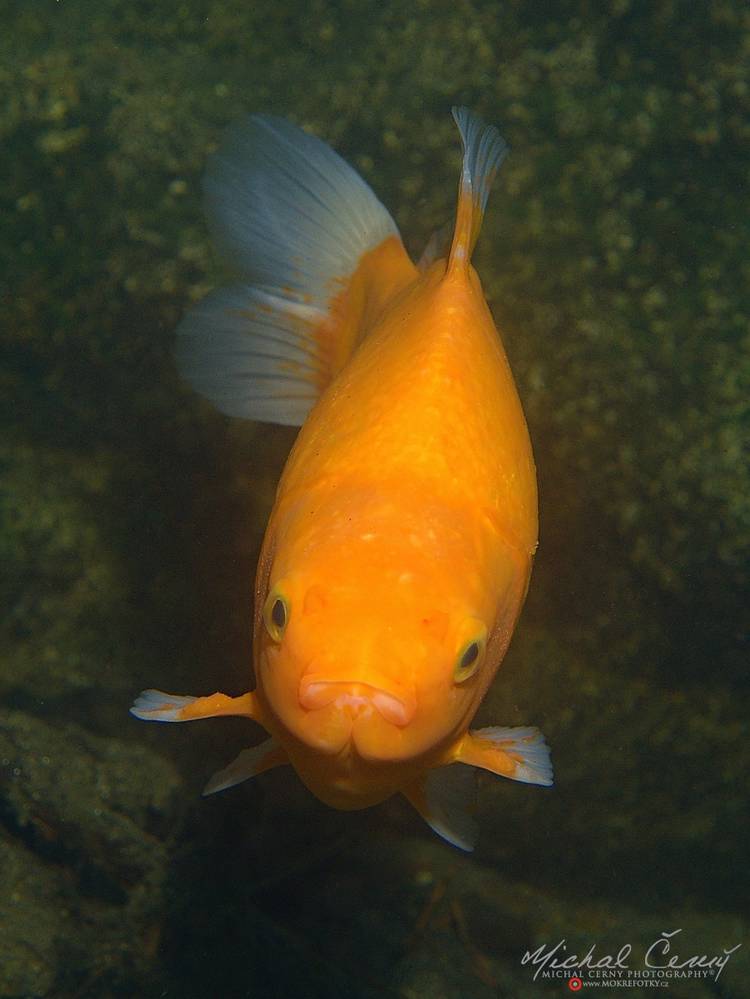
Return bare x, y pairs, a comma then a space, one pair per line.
396, 704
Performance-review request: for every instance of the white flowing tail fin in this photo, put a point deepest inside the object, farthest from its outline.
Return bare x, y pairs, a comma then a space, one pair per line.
294, 221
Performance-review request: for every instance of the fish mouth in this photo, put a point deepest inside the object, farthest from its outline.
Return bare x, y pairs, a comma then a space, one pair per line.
357, 698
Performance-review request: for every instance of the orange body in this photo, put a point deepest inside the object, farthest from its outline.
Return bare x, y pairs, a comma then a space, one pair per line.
407, 507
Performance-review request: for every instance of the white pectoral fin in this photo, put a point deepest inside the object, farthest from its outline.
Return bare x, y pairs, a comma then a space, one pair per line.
517, 753
446, 800
249, 763
155, 705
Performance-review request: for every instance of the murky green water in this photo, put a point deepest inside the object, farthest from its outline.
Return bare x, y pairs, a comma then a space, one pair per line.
614, 257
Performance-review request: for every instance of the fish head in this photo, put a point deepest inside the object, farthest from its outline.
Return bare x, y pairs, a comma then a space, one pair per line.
374, 644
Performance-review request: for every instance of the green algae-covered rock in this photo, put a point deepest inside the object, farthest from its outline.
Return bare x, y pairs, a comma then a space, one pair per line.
88, 824
30, 893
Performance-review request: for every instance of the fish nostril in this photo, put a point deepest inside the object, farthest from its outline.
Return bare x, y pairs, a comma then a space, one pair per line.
319, 693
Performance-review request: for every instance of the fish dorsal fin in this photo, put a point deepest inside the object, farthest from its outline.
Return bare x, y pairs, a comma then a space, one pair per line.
446, 799
294, 221
484, 151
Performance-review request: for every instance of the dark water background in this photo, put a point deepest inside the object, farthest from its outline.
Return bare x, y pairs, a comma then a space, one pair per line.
614, 255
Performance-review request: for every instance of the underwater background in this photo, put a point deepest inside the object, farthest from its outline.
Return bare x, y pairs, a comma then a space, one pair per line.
614, 256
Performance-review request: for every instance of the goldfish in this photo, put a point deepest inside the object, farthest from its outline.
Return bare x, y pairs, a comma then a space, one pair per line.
398, 552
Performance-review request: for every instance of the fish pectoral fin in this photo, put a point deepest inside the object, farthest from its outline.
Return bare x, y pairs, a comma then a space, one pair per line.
446, 800
155, 705
249, 763
517, 753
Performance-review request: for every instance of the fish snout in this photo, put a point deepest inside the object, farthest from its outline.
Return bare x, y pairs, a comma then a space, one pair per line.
395, 703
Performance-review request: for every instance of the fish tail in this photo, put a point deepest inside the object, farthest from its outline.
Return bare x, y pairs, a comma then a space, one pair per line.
316, 254
484, 150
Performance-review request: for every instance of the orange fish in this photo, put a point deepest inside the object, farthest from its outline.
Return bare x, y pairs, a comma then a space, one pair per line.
398, 553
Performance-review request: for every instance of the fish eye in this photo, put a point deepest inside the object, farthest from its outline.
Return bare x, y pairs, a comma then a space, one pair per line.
469, 658
276, 614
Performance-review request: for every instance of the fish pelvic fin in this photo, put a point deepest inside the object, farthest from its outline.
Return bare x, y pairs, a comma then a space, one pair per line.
316, 255
446, 799
484, 150
249, 763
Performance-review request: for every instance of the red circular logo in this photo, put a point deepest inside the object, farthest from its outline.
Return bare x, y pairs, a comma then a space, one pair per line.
575, 984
